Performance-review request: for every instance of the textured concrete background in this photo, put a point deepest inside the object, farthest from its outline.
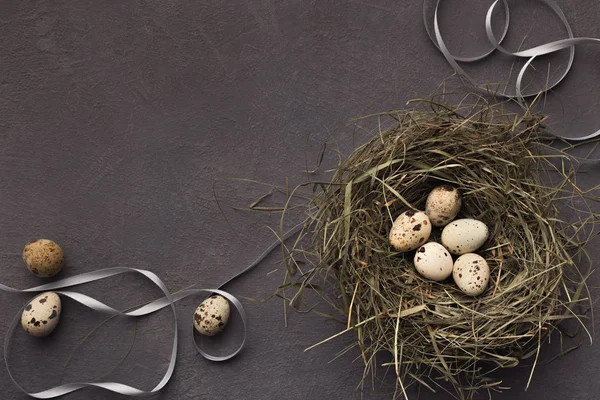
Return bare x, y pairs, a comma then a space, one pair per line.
116, 119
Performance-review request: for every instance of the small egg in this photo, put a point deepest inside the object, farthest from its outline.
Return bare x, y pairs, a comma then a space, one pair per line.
41, 314
471, 274
464, 235
443, 205
410, 230
212, 315
433, 261
43, 257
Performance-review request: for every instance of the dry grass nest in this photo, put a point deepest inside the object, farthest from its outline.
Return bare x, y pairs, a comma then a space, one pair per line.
512, 180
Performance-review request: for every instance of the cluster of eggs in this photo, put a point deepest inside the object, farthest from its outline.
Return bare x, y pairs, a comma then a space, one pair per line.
44, 258
461, 237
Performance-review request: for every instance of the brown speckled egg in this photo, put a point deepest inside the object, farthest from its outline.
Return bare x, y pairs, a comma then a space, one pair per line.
443, 205
43, 257
410, 230
464, 235
41, 314
212, 315
471, 274
433, 261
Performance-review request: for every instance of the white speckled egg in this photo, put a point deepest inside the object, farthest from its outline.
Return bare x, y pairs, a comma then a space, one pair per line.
212, 315
433, 261
471, 274
464, 235
443, 205
43, 257
410, 230
41, 314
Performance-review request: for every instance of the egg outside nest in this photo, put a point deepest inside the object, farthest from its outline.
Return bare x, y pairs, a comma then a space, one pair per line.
41, 314
43, 257
212, 315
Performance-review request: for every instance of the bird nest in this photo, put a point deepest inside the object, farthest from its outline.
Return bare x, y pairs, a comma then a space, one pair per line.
510, 178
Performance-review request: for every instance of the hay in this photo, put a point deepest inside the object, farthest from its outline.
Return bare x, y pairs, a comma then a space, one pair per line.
512, 180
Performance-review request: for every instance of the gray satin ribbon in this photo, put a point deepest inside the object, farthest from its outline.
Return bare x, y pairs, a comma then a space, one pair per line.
519, 95
168, 300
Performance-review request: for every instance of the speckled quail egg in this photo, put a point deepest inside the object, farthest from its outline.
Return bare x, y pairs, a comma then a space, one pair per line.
212, 315
43, 257
471, 274
410, 230
443, 205
464, 235
433, 261
41, 314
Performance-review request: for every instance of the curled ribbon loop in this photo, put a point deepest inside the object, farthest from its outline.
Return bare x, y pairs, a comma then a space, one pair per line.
101, 307
168, 300
439, 43
519, 95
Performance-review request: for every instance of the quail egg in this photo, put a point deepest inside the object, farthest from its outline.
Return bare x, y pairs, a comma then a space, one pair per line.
410, 230
212, 315
464, 235
433, 261
43, 257
443, 205
471, 274
41, 314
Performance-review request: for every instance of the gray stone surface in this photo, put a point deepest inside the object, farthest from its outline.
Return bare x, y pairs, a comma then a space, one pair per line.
117, 118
